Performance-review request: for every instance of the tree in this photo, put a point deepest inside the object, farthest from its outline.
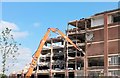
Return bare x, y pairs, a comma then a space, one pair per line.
8, 48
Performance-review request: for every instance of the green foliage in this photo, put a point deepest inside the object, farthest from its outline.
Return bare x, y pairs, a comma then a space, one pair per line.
8, 48
3, 76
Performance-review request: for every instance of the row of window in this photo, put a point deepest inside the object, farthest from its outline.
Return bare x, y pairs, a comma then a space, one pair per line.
114, 73
99, 73
114, 60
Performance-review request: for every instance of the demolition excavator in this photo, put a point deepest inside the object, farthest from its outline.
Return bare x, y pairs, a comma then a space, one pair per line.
42, 42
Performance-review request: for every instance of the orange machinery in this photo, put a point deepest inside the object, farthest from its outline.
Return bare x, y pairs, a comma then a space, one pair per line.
42, 42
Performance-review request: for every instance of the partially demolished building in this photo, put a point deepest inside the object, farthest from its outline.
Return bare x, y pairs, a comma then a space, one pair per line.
99, 38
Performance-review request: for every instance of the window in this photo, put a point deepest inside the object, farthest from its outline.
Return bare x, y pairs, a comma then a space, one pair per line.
116, 17
114, 73
114, 60
97, 21
90, 36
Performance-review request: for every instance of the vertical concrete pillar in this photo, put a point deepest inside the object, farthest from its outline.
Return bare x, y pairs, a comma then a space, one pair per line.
51, 55
105, 45
85, 57
66, 56
75, 73
35, 75
15, 75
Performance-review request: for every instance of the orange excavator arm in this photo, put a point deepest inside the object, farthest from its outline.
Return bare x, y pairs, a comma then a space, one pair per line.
38, 52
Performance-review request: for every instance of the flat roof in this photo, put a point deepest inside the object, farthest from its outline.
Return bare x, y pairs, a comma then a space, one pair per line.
81, 21
107, 11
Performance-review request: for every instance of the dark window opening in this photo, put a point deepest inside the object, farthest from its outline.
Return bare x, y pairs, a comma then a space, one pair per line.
116, 17
96, 62
43, 67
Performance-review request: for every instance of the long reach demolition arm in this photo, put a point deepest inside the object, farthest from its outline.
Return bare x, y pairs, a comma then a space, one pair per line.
42, 42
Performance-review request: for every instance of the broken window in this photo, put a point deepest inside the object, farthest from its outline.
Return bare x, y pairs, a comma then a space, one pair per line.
89, 36
116, 17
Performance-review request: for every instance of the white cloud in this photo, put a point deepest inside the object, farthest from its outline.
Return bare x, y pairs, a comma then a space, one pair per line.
4, 24
15, 30
25, 53
23, 59
36, 24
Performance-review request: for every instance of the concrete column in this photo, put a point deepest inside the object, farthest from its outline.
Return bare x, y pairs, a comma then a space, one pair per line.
75, 73
66, 56
15, 75
105, 45
35, 75
51, 55
85, 57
